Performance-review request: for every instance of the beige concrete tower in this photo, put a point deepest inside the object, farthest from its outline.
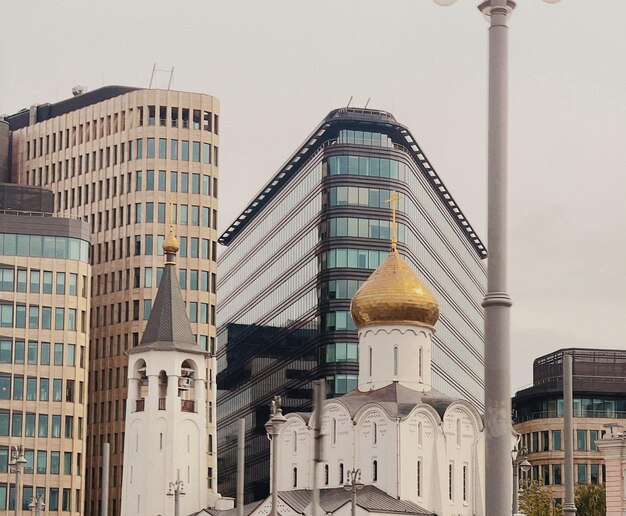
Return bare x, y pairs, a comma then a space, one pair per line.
119, 156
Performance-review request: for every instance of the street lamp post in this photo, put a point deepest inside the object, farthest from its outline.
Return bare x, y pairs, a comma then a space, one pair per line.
272, 427
37, 504
518, 464
497, 302
17, 463
353, 484
176, 490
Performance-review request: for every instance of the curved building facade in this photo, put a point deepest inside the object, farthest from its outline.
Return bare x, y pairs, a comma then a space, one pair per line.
127, 160
44, 312
299, 252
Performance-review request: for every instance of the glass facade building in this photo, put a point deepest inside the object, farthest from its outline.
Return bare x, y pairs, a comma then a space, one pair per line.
45, 279
302, 248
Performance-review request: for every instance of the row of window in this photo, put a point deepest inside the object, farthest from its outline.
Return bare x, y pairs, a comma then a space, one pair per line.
13, 352
364, 138
18, 425
116, 314
117, 249
352, 258
582, 407
41, 281
361, 228
365, 166
551, 440
44, 246
341, 352
339, 289
107, 188
194, 279
111, 124
14, 384
198, 152
180, 214
14, 316
342, 383
359, 196
552, 474
7, 498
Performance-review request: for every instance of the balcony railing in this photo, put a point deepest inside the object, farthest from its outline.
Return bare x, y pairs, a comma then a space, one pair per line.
161, 403
188, 405
140, 405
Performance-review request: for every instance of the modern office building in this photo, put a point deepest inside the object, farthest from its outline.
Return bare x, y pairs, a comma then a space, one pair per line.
301, 249
119, 156
599, 385
44, 308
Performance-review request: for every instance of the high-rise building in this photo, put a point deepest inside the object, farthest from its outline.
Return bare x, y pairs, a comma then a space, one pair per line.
119, 157
301, 249
599, 395
44, 306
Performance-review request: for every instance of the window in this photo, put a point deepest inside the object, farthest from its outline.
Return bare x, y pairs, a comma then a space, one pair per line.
60, 283
326, 474
375, 471
173, 151
419, 478
42, 430
59, 318
150, 148
18, 387
6, 279
556, 474
196, 151
45, 353
465, 482
184, 183
150, 180
581, 473
184, 151
556, 440
47, 282
31, 388
295, 477
162, 148
58, 354
206, 153
6, 351
73, 284
595, 475
34, 281
581, 439
57, 389
593, 437
451, 481
44, 389
55, 430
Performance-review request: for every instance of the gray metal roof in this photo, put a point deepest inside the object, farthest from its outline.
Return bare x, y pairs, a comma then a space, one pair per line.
397, 400
168, 327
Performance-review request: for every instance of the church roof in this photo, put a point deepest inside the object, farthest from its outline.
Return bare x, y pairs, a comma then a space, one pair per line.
397, 400
369, 498
168, 327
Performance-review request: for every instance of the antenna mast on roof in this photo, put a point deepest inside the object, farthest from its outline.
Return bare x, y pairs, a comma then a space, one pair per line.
368, 101
349, 102
156, 70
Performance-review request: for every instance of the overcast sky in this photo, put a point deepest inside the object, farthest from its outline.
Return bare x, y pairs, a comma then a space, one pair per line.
278, 67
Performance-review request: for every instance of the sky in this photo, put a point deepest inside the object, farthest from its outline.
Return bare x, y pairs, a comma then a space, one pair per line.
279, 66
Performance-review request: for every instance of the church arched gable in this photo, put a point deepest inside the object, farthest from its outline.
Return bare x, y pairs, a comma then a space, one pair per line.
338, 443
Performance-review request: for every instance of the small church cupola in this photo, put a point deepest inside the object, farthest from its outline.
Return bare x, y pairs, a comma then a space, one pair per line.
395, 314
166, 414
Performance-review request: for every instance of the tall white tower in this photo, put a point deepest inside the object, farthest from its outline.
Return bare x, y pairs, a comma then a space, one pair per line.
166, 413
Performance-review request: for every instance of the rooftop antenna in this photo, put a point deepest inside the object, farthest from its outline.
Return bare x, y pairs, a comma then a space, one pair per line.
349, 102
368, 101
156, 70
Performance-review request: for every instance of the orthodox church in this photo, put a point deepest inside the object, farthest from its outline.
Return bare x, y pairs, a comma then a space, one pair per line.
167, 466
408, 440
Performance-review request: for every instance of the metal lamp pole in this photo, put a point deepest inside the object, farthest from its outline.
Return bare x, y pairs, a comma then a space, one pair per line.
353, 484
176, 490
272, 427
17, 462
497, 302
518, 464
37, 504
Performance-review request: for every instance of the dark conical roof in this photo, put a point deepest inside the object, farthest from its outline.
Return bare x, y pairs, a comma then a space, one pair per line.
168, 327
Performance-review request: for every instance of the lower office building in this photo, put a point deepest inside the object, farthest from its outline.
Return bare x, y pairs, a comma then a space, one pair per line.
302, 248
44, 308
599, 385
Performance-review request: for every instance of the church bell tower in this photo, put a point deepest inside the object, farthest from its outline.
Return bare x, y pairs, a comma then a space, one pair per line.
166, 412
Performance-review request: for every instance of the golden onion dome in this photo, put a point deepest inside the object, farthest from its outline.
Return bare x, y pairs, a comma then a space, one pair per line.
394, 294
171, 245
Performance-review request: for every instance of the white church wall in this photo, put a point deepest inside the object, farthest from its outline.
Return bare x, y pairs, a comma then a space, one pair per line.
338, 444
295, 452
376, 450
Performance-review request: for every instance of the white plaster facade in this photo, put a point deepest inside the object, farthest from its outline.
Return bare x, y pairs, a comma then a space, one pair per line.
165, 432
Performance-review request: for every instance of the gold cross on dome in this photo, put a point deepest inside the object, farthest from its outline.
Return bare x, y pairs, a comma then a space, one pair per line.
395, 197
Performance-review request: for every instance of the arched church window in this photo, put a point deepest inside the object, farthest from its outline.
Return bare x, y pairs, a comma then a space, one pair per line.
395, 361
326, 474
375, 471
295, 441
295, 477
341, 474
420, 433
334, 430
421, 363
458, 432
375, 432
370, 364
